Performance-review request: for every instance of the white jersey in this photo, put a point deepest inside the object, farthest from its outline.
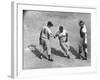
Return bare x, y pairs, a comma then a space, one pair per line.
62, 36
84, 30
46, 32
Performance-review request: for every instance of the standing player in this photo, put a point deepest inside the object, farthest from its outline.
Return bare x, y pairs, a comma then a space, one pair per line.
83, 35
45, 36
63, 40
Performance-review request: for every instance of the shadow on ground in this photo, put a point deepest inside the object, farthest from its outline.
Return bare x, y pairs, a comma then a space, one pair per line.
75, 53
57, 52
38, 54
61, 54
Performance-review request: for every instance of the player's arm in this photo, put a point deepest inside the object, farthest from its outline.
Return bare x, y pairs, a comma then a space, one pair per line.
40, 42
56, 35
51, 35
66, 37
84, 31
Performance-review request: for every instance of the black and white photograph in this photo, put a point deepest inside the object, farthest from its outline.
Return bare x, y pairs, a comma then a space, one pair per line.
56, 39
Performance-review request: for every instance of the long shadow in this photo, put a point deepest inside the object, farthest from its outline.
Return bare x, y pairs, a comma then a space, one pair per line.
36, 52
57, 52
74, 52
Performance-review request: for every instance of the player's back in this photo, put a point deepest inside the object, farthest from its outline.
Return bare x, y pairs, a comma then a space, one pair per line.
45, 32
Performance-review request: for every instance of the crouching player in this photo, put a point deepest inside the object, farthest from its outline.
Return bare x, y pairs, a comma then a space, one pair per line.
83, 35
63, 40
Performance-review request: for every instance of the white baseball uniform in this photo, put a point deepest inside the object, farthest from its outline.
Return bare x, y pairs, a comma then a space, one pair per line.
83, 34
84, 30
62, 37
45, 39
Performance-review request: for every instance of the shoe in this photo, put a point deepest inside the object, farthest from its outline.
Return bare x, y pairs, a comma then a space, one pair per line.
49, 59
68, 56
78, 57
84, 59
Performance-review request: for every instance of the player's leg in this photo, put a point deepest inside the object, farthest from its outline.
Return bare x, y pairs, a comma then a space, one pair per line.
80, 52
85, 51
48, 50
65, 49
43, 47
41, 50
82, 49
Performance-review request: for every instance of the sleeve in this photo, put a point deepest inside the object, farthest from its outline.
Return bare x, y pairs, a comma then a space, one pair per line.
40, 40
84, 30
66, 37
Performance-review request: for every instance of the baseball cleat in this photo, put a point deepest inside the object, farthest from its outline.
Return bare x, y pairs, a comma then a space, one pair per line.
50, 60
67, 56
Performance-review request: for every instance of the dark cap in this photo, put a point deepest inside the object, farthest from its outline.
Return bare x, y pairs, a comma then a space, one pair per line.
81, 22
49, 23
60, 27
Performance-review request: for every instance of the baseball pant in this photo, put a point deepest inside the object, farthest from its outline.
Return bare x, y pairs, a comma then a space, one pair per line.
46, 45
65, 47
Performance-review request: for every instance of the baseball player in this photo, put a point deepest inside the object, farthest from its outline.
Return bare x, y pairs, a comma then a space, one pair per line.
45, 36
83, 35
63, 40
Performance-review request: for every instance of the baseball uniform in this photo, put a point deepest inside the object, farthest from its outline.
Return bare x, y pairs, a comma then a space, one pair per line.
63, 40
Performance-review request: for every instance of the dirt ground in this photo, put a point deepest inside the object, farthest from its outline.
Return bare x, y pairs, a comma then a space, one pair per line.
33, 21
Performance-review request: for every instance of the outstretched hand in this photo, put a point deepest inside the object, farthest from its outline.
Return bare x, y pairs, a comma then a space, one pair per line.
54, 37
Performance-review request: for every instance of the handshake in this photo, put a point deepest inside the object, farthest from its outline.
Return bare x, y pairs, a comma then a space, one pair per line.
53, 36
